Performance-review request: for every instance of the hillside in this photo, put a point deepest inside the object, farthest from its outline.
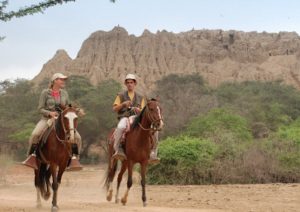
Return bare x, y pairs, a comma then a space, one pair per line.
217, 55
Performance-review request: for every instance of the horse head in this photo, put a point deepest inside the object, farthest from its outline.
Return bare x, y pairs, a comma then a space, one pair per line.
69, 121
154, 114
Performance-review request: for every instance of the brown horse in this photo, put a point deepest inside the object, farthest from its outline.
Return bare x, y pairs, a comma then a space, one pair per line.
55, 155
138, 143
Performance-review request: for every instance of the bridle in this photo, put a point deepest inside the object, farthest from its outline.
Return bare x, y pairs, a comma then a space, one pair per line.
152, 120
66, 132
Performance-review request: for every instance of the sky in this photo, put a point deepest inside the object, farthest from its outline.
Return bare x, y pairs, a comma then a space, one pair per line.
32, 40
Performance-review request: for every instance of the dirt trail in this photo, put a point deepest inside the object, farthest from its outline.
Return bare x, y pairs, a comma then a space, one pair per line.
82, 191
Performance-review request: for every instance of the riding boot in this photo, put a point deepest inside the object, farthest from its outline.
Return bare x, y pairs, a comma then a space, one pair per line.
119, 152
31, 159
153, 156
74, 164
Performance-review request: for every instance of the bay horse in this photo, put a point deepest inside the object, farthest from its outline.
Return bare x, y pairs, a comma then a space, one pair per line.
55, 154
138, 144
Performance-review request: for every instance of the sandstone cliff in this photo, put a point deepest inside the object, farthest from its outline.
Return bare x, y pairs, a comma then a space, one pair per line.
217, 55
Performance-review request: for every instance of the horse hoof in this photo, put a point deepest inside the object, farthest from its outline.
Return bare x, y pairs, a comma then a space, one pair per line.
109, 196
39, 205
54, 209
144, 204
47, 195
123, 201
117, 201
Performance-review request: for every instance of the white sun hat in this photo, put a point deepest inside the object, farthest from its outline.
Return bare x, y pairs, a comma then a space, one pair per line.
58, 76
130, 77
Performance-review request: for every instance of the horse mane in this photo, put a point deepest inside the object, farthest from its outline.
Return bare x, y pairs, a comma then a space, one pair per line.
58, 124
138, 119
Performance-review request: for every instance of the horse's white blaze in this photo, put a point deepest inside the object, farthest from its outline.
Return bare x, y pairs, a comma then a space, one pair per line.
160, 117
71, 116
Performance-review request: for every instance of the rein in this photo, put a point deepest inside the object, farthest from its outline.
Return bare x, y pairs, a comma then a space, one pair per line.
64, 129
59, 139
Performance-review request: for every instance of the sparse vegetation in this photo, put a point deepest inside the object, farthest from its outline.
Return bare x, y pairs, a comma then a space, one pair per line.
238, 133
5, 162
254, 129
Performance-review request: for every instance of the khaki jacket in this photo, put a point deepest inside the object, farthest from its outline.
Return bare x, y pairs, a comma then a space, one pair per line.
47, 103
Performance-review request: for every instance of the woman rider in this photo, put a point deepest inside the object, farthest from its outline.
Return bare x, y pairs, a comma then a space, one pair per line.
50, 100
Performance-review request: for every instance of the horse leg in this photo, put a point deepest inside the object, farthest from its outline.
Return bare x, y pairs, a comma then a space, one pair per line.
120, 176
110, 178
47, 178
58, 179
129, 182
143, 183
38, 192
53, 169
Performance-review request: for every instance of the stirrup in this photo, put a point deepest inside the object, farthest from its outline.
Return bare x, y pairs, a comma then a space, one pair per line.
154, 160
31, 162
74, 164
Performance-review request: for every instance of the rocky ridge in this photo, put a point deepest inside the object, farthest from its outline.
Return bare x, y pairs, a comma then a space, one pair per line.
219, 56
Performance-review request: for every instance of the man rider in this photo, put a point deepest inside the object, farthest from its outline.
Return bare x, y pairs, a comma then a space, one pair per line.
127, 105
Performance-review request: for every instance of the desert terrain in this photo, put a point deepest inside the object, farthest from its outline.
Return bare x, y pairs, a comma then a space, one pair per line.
83, 191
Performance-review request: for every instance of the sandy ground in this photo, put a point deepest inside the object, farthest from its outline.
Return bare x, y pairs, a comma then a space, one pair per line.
83, 191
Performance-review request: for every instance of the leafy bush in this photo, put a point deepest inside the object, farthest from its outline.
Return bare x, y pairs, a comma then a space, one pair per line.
184, 160
291, 132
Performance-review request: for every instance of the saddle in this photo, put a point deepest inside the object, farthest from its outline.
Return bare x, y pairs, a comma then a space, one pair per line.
123, 138
44, 136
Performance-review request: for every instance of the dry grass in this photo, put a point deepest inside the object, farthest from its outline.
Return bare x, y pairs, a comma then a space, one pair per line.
5, 162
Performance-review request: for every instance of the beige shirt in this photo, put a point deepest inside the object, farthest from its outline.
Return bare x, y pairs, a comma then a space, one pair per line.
47, 102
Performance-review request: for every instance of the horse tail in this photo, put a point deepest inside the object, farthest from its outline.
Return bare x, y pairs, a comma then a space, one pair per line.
111, 163
110, 173
44, 181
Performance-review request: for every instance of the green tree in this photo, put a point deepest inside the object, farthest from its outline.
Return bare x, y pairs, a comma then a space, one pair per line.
29, 10
271, 103
97, 102
18, 109
219, 123
182, 97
